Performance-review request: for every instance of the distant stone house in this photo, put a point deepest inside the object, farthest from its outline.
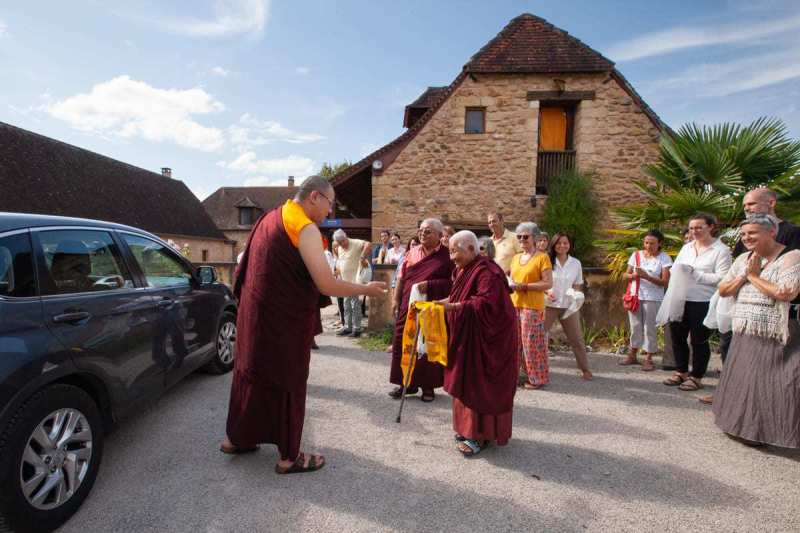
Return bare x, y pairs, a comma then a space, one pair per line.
234, 210
42, 175
532, 102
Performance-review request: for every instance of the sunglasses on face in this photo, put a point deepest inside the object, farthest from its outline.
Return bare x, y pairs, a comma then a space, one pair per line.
523, 237
426, 231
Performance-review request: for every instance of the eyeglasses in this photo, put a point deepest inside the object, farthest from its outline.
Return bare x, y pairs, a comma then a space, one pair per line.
329, 200
523, 237
424, 231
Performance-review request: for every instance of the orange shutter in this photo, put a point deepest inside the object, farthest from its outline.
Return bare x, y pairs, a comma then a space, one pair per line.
552, 128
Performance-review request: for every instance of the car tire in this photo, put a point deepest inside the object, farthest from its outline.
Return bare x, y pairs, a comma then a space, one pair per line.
72, 425
224, 345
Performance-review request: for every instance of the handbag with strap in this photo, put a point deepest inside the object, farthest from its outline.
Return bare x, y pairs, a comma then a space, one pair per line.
631, 299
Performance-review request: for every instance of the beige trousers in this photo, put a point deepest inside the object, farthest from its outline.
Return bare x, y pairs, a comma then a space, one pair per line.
572, 328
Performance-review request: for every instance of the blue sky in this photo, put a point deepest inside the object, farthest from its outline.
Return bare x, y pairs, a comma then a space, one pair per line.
247, 92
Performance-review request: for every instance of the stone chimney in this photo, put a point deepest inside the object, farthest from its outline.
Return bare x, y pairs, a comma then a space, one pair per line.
166, 172
291, 181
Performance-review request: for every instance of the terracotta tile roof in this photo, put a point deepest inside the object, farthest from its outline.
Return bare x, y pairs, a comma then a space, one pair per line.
222, 205
427, 98
529, 44
45, 176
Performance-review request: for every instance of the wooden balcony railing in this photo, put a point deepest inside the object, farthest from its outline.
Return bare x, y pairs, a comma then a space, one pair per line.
551, 164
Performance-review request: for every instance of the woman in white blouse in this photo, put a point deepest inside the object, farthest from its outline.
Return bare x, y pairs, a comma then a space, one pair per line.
698, 269
396, 252
648, 269
567, 274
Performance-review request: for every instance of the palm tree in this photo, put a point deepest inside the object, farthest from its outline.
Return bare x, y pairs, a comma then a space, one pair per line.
708, 169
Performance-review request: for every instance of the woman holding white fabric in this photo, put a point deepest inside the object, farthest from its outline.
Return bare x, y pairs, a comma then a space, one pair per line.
648, 269
567, 274
758, 398
698, 269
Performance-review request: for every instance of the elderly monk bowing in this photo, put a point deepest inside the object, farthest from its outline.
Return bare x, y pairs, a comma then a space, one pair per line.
483, 348
428, 262
279, 284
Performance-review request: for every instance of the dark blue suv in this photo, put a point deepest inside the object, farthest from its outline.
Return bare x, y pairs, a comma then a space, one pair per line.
96, 319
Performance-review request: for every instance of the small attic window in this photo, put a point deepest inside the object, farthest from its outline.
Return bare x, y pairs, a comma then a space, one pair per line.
475, 121
246, 216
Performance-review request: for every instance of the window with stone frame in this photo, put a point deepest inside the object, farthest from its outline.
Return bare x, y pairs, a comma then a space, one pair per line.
475, 120
246, 216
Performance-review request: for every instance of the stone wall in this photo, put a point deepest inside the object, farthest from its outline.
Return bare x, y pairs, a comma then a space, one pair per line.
460, 177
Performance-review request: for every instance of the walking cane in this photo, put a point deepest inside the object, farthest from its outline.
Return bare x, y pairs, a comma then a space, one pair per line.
411, 365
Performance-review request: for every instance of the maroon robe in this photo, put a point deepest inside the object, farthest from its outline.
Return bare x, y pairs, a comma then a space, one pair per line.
436, 269
482, 355
277, 319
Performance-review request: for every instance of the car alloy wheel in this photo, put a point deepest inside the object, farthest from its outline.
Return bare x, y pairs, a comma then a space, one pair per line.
56, 459
226, 342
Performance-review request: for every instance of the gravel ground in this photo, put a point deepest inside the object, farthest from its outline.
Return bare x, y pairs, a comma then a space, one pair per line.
619, 453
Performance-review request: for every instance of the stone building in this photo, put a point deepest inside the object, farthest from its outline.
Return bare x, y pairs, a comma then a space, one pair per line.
532, 102
234, 210
45, 176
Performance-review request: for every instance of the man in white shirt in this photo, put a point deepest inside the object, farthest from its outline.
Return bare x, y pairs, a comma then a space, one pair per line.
353, 254
505, 241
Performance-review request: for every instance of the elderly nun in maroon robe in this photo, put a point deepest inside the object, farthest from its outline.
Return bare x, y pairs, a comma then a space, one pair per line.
483, 346
428, 264
279, 283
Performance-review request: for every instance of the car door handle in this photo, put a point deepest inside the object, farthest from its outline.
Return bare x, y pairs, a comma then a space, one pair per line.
166, 303
71, 318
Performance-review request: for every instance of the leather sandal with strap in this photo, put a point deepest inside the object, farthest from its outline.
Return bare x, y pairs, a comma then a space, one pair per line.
232, 449
315, 462
674, 380
691, 384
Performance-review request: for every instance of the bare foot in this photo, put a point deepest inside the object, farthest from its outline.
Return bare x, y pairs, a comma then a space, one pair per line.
586, 375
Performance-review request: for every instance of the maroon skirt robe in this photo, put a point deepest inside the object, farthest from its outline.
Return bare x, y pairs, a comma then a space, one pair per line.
277, 319
482, 358
437, 270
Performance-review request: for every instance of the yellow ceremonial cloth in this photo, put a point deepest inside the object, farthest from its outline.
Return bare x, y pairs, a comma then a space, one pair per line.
433, 330
294, 220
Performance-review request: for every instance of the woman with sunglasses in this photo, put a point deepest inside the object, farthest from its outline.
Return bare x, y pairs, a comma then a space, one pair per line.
531, 276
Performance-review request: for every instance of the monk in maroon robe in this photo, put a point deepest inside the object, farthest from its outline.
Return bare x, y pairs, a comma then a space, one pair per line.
428, 264
483, 347
279, 283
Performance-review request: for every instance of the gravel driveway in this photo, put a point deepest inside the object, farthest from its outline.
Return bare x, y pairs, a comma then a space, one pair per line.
620, 453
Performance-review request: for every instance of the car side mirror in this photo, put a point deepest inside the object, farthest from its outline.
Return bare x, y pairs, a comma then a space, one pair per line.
207, 275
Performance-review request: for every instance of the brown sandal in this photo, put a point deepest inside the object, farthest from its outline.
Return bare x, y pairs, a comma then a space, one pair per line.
648, 366
674, 380
315, 462
628, 361
691, 384
236, 450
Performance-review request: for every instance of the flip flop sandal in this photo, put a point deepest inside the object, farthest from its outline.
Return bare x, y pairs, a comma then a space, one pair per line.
474, 448
237, 450
674, 380
708, 400
398, 392
428, 398
459, 438
648, 366
298, 468
691, 384
531, 386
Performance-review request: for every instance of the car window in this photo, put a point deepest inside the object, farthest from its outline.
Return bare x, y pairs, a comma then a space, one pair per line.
16, 266
159, 264
82, 261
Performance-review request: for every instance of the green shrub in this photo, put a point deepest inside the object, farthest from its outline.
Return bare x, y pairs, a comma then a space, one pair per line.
571, 209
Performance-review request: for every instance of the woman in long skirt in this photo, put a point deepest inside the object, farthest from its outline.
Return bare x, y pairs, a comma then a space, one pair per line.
758, 398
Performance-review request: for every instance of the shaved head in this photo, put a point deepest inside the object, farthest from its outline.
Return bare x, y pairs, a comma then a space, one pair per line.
311, 184
760, 201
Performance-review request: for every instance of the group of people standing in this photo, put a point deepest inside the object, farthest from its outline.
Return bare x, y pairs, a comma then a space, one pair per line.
750, 295
501, 295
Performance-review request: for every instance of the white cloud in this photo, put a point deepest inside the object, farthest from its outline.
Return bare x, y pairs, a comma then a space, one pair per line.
682, 38
219, 71
302, 71
231, 17
726, 78
250, 132
271, 170
130, 108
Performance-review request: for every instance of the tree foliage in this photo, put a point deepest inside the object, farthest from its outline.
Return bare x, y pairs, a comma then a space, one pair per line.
571, 209
329, 170
708, 169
